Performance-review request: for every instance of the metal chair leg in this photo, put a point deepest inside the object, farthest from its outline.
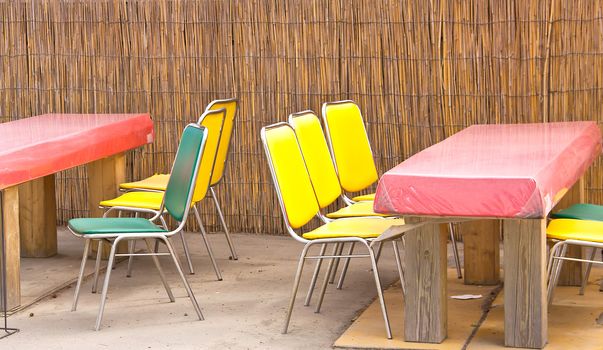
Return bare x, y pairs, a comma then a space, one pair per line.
131, 249
207, 245
455, 251
186, 253
99, 256
187, 286
81, 275
378, 254
589, 265
99, 318
233, 253
160, 270
399, 264
326, 280
346, 264
336, 266
300, 268
388, 329
555, 274
315, 275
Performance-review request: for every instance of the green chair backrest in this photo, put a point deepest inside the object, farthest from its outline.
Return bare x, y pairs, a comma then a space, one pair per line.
231, 106
349, 145
213, 121
180, 187
317, 156
291, 179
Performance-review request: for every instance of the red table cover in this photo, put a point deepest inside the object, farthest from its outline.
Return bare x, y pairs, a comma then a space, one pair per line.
42, 145
507, 171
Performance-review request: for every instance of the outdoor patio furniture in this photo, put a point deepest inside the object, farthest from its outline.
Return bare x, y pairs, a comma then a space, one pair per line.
158, 182
353, 156
299, 206
518, 173
179, 195
150, 201
568, 232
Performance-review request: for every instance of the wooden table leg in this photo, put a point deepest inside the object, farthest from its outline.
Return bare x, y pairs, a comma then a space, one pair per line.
10, 223
104, 177
571, 272
525, 283
425, 310
38, 218
481, 242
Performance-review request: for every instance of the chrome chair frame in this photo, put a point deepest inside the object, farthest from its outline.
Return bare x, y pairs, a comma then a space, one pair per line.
368, 243
148, 237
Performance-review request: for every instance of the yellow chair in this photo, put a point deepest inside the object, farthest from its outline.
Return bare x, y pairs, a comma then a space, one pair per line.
299, 206
583, 233
150, 202
158, 182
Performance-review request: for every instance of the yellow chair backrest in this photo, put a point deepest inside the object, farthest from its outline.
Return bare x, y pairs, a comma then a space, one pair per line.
231, 106
213, 121
317, 156
291, 179
349, 145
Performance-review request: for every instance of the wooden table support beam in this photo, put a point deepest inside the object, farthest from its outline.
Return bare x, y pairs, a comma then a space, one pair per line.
10, 222
481, 242
525, 283
38, 218
426, 310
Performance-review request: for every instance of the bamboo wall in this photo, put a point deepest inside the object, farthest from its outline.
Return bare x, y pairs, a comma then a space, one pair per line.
420, 70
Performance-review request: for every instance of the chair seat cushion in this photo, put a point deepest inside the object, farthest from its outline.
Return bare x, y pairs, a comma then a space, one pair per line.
89, 226
157, 182
355, 210
146, 200
356, 227
364, 197
580, 230
582, 211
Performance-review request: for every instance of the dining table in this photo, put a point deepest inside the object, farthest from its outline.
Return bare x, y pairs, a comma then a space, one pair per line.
516, 173
32, 151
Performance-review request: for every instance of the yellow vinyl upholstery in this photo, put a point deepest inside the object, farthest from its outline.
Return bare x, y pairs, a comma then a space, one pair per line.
145, 200
355, 210
350, 145
157, 182
364, 197
213, 121
231, 107
317, 157
358, 227
291, 177
580, 230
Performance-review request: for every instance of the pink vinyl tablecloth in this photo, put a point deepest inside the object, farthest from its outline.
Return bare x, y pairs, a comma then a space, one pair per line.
506, 171
42, 145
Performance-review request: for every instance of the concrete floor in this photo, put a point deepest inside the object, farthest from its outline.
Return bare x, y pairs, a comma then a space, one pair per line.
244, 311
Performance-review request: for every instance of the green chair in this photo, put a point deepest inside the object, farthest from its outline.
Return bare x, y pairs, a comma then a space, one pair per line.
158, 182
177, 202
150, 201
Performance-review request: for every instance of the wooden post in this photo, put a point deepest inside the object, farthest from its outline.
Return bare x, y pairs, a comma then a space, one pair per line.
10, 222
425, 310
37, 218
481, 241
525, 283
104, 177
571, 272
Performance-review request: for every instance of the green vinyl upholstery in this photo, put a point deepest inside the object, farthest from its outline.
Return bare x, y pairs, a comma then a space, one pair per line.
90, 226
582, 211
184, 171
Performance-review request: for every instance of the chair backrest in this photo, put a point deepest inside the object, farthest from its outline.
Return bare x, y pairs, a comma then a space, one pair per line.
291, 179
231, 106
350, 145
181, 185
213, 121
317, 156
